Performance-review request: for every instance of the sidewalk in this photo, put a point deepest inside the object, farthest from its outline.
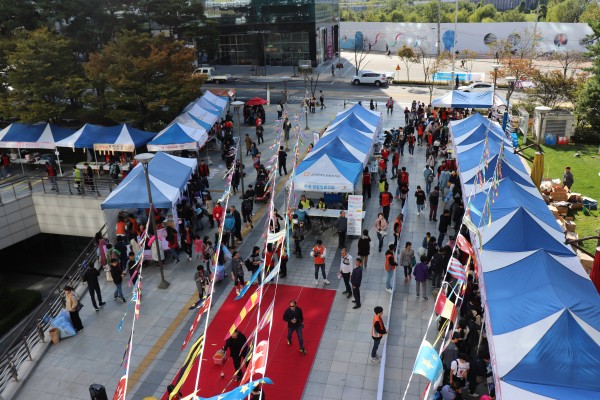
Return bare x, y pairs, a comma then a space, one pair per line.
342, 368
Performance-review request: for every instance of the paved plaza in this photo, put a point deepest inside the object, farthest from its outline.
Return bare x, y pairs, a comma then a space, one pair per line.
342, 368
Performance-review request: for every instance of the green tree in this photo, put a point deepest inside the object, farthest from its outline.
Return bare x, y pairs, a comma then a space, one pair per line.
588, 100
409, 57
565, 11
481, 13
18, 15
431, 66
591, 13
145, 75
45, 77
551, 88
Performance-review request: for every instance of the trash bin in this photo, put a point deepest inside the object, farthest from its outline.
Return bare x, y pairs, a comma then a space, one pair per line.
54, 335
97, 392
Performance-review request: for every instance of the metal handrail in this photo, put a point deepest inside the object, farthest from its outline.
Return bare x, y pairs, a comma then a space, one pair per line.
33, 331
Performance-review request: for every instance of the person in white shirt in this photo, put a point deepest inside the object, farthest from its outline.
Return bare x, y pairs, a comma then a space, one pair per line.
346, 266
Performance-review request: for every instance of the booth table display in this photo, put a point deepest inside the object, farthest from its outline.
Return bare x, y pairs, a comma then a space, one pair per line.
329, 213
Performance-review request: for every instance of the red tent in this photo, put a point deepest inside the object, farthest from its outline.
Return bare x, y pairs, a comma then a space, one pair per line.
595, 274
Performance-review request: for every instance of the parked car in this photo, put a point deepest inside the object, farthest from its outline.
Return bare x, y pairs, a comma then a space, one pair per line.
211, 76
477, 87
370, 77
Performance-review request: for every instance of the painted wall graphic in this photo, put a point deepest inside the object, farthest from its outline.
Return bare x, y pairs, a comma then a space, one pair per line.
479, 37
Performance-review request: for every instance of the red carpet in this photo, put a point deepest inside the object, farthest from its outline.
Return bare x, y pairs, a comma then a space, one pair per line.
287, 368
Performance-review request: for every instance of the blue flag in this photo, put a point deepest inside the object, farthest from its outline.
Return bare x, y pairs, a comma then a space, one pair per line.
241, 392
250, 282
428, 363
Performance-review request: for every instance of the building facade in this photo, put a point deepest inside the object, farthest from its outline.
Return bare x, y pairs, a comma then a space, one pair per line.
275, 32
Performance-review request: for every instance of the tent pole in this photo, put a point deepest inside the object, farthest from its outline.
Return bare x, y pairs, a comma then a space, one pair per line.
20, 158
96, 160
57, 153
481, 333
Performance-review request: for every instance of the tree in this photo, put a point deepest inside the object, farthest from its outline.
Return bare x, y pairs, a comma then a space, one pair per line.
409, 57
591, 13
567, 59
361, 51
150, 78
487, 11
431, 66
551, 88
469, 56
514, 67
565, 11
588, 100
45, 77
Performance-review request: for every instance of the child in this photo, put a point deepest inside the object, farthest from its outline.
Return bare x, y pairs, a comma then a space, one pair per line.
198, 247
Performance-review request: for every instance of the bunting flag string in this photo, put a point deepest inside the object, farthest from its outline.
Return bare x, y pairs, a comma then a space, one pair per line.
252, 301
192, 329
250, 282
258, 363
238, 393
188, 363
457, 270
264, 320
464, 245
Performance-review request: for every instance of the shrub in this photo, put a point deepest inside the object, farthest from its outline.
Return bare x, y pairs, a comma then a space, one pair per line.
586, 135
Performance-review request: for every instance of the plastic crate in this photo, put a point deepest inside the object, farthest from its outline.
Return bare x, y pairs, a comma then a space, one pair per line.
562, 140
220, 357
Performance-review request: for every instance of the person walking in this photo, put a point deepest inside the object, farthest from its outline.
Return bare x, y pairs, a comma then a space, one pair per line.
434, 198
381, 228
406, 260
437, 268
247, 210
237, 271
51, 174
77, 179
421, 273
568, 179
71, 303
398, 228
342, 227
445, 222
298, 235
322, 100
319, 254
429, 176
459, 370
390, 106
90, 276
235, 343
332, 70
356, 280
279, 110
346, 270
390, 267
385, 201
295, 320
237, 232
411, 144
377, 332
421, 197
117, 274
202, 281
287, 127
364, 247
281, 160
367, 182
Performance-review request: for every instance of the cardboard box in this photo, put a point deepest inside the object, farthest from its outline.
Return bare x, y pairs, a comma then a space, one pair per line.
586, 261
576, 206
559, 196
574, 197
571, 226
562, 210
554, 210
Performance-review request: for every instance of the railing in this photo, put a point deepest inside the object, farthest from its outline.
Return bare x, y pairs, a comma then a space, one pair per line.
32, 332
63, 185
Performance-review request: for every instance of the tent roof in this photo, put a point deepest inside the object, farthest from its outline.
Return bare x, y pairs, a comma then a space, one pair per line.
479, 132
117, 137
168, 177
458, 99
371, 117
35, 136
177, 136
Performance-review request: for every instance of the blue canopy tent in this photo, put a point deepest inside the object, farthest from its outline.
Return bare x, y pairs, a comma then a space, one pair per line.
110, 138
475, 176
179, 136
168, 178
458, 99
36, 136
479, 132
337, 160
473, 154
542, 310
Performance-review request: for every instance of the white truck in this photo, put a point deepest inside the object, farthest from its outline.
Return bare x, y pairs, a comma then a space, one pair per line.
211, 75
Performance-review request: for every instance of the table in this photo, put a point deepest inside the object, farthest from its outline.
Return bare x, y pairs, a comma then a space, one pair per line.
328, 213
96, 166
43, 161
124, 167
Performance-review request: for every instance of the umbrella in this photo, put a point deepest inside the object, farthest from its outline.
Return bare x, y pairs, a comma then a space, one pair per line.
256, 101
537, 170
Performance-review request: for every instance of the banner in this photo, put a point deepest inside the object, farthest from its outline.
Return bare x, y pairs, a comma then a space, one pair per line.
354, 216
316, 138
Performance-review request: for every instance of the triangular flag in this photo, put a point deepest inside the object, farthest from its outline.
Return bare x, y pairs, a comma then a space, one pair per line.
121, 387
259, 361
192, 329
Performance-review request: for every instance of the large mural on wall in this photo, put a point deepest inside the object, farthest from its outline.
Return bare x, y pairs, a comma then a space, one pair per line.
479, 37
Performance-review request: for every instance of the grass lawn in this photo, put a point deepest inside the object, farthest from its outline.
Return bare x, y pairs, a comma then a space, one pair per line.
586, 170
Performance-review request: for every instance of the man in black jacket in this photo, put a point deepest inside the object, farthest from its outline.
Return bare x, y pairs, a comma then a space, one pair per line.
281, 159
355, 280
445, 222
238, 223
235, 343
295, 320
91, 277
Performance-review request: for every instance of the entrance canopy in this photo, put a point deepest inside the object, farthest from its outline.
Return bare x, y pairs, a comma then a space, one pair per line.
168, 178
36, 136
458, 99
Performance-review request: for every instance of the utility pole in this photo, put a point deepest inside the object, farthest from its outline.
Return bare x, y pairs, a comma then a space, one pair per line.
439, 38
454, 45
533, 40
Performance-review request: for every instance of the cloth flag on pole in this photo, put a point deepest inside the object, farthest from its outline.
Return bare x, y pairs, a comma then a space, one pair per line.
457, 270
190, 333
199, 304
464, 245
276, 237
471, 226
185, 370
250, 282
240, 392
428, 363
252, 301
121, 386
259, 361
444, 307
264, 320
274, 272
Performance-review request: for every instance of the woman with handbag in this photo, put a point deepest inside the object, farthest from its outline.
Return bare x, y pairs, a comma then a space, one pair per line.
406, 259
73, 306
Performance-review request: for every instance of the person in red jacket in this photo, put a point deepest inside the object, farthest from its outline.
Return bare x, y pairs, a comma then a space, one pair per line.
385, 200
218, 213
377, 332
395, 163
203, 169
367, 182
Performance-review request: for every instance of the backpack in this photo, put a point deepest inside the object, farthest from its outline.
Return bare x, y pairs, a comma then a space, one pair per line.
249, 265
430, 178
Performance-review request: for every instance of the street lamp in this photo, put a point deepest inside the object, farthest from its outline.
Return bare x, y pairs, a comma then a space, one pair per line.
496, 67
145, 159
236, 107
306, 103
511, 87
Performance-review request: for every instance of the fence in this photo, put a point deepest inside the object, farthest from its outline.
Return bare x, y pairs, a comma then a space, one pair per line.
32, 333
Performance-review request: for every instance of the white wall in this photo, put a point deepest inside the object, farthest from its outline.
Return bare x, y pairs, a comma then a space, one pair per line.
469, 36
18, 221
68, 215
